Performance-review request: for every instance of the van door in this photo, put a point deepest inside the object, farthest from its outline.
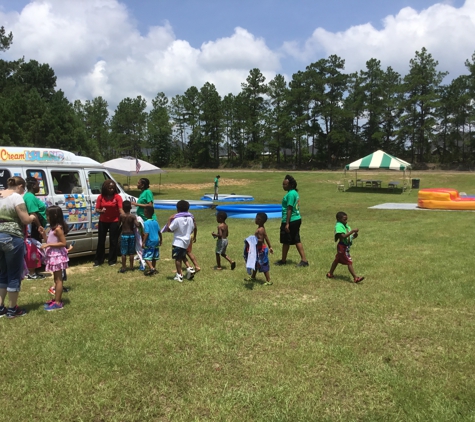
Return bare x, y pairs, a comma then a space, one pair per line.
71, 194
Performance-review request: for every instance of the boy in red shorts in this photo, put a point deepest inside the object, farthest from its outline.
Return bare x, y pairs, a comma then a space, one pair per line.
344, 236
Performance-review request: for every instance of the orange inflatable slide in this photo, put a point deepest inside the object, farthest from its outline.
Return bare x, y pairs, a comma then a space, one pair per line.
444, 199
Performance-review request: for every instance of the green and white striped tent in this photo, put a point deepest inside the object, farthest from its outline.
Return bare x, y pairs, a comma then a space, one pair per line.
379, 160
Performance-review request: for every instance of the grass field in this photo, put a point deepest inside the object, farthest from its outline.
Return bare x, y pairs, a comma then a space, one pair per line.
397, 347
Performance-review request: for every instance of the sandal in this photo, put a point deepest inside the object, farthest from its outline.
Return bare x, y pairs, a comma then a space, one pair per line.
330, 275
268, 283
122, 271
358, 279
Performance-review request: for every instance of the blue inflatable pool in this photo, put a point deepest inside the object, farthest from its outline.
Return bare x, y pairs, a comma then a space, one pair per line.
250, 211
170, 204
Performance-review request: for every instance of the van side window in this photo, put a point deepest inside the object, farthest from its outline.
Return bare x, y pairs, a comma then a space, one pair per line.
41, 177
4, 176
66, 182
96, 180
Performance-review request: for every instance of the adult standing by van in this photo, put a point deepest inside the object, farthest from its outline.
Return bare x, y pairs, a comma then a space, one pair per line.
13, 219
37, 207
109, 208
291, 221
145, 198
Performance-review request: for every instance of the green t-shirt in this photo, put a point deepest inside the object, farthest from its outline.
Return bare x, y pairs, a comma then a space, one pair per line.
145, 198
216, 182
291, 200
341, 228
34, 205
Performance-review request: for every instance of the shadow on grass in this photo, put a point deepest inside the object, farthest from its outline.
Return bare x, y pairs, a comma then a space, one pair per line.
345, 278
251, 283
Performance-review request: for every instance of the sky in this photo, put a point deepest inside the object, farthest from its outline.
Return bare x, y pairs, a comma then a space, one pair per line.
124, 48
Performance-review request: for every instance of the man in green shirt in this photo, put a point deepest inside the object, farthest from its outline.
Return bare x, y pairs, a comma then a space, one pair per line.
216, 187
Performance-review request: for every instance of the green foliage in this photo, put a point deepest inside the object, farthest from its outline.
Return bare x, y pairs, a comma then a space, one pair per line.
159, 131
6, 40
128, 127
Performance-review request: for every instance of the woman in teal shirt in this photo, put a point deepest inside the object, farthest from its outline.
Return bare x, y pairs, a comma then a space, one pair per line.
36, 207
291, 220
145, 198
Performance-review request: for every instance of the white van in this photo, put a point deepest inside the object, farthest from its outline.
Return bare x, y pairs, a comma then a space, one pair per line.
73, 182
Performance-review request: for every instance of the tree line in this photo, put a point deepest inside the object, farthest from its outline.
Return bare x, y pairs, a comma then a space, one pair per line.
322, 117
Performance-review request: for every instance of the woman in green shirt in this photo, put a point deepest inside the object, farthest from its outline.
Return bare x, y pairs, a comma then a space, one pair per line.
145, 198
291, 220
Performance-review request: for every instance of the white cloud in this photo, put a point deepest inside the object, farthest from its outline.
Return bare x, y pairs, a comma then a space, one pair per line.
95, 49
445, 31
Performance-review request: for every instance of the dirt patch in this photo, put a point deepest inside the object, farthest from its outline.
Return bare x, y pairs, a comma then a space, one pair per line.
201, 186
79, 269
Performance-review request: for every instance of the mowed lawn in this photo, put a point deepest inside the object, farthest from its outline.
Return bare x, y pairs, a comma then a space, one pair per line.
397, 347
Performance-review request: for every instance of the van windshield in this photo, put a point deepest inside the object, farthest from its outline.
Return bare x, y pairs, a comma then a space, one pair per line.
96, 180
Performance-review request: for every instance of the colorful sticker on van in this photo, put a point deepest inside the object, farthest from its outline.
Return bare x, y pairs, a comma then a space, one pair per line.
31, 155
76, 212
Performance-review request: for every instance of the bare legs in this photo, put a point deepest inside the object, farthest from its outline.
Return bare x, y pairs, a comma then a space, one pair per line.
299, 246
12, 298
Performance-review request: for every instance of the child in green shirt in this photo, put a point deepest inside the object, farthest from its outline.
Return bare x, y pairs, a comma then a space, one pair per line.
344, 236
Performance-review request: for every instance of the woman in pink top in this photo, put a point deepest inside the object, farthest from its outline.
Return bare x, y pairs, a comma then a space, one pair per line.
109, 208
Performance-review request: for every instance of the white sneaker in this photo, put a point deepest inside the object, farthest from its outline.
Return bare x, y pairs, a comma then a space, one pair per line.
178, 278
190, 273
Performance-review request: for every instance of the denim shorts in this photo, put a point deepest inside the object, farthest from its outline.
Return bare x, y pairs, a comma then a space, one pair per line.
12, 262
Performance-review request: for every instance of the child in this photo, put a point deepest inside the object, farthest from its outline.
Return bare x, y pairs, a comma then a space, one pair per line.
56, 258
344, 236
152, 239
182, 225
127, 239
260, 259
191, 255
64, 275
222, 242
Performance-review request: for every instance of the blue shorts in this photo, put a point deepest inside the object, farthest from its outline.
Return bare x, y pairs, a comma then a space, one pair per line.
127, 244
178, 253
151, 253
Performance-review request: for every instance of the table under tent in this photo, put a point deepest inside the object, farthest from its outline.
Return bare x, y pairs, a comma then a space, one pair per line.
378, 160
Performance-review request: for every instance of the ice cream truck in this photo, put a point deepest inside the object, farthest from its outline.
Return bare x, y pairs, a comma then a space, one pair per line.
68, 180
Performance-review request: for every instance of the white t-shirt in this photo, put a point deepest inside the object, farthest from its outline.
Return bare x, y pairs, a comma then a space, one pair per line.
9, 220
182, 227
